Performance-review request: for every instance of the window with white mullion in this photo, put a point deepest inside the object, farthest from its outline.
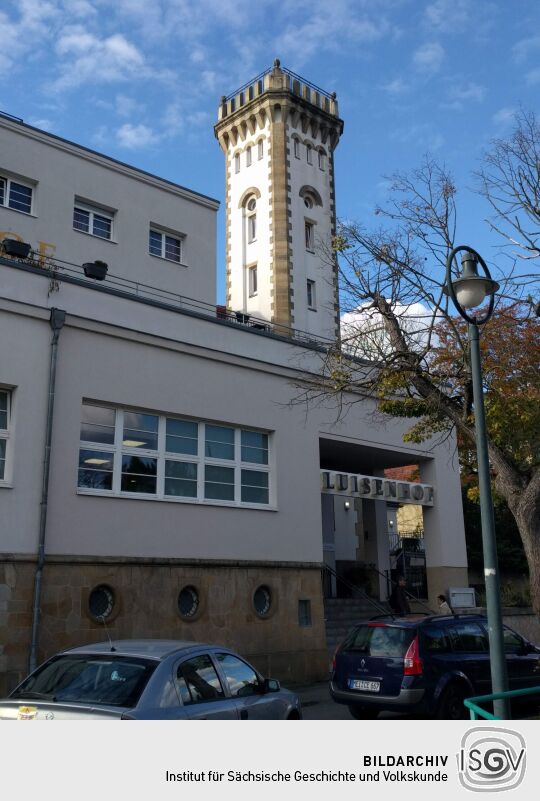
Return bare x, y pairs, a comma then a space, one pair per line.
97, 222
5, 412
2, 191
15, 195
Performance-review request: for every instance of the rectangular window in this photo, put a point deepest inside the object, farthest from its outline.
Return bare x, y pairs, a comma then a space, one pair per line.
321, 160
123, 451
165, 246
5, 399
237, 162
309, 156
252, 280
296, 148
15, 195
310, 231
304, 613
94, 221
248, 156
260, 148
311, 298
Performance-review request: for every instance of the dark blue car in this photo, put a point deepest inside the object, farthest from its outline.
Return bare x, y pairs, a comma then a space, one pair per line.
424, 665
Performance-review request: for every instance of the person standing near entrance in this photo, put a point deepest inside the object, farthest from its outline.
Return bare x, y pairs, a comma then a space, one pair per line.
398, 599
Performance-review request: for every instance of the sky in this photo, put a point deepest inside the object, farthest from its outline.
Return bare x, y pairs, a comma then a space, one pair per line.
140, 80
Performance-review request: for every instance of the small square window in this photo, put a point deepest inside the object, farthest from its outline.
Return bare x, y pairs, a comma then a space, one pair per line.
165, 246
96, 222
15, 195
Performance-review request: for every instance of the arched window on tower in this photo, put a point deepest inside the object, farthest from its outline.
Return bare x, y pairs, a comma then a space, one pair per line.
296, 147
309, 154
251, 219
260, 148
322, 159
237, 162
248, 156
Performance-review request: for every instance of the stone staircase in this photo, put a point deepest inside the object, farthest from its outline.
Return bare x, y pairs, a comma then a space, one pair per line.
341, 614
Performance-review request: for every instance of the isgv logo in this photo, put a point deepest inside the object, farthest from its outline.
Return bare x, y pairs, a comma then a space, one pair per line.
491, 759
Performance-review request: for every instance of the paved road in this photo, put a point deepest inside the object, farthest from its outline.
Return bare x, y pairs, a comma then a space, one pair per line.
317, 704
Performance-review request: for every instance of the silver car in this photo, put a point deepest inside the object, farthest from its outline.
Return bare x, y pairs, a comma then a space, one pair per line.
149, 680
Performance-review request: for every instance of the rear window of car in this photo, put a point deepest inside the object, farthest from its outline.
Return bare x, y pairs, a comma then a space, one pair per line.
107, 680
379, 640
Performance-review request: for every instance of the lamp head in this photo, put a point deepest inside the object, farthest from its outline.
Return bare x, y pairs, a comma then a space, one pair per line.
470, 288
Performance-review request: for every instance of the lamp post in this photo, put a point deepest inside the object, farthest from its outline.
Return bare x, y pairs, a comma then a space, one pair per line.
468, 291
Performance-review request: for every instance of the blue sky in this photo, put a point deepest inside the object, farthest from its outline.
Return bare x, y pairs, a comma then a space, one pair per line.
141, 81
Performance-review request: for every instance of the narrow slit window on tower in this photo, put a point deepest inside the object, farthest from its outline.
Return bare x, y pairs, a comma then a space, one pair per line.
251, 219
260, 148
309, 155
322, 160
252, 280
248, 156
311, 296
237, 162
310, 236
296, 147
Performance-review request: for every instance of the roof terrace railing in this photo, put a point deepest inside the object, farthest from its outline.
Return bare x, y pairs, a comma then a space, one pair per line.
61, 270
289, 80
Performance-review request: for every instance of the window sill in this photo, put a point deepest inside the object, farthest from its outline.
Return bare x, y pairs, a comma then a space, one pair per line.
94, 236
6, 485
169, 261
308, 250
312, 308
134, 496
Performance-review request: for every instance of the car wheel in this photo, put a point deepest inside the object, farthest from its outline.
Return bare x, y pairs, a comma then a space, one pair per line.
294, 716
451, 706
363, 712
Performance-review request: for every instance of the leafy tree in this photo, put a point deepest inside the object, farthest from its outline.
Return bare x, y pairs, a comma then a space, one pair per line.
403, 344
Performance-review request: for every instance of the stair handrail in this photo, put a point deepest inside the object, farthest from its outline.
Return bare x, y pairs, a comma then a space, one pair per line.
407, 593
355, 588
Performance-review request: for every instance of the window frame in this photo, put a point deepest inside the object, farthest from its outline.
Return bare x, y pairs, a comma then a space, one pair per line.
10, 179
162, 456
309, 154
6, 436
296, 147
260, 149
322, 159
92, 211
236, 163
249, 156
163, 233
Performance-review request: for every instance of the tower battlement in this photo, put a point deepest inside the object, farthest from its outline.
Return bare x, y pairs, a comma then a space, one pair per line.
277, 78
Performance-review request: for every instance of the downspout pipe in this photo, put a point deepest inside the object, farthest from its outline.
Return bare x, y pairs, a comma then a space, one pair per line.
57, 320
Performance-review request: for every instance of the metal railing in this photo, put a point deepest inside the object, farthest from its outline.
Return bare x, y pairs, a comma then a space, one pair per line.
292, 76
477, 712
328, 572
60, 270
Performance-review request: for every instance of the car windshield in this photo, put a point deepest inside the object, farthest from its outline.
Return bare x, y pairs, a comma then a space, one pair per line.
379, 640
87, 679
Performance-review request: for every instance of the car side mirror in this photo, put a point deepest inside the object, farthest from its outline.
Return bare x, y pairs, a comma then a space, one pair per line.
271, 686
528, 648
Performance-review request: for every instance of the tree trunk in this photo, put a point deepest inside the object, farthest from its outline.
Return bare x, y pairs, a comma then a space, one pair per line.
524, 503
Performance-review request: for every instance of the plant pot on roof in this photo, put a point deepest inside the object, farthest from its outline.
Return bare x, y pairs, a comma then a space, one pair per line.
95, 269
12, 247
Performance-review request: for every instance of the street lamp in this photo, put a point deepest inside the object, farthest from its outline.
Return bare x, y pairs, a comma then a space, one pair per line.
468, 291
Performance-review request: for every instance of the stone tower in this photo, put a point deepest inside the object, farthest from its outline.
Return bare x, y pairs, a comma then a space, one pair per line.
278, 134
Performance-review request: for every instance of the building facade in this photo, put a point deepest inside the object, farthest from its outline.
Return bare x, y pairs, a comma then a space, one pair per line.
156, 472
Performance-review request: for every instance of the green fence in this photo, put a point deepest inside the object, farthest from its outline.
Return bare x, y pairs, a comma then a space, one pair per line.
477, 711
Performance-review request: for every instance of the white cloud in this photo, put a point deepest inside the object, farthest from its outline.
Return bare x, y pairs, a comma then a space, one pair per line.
533, 77
134, 137
504, 116
471, 91
448, 16
525, 47
364, 335
88, 59
429, 57
127, 106
396, 87
44, 124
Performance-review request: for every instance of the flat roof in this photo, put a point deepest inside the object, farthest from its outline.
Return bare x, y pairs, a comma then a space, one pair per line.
6, 117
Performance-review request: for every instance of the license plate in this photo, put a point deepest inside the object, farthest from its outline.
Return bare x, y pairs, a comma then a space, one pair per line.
367, 686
